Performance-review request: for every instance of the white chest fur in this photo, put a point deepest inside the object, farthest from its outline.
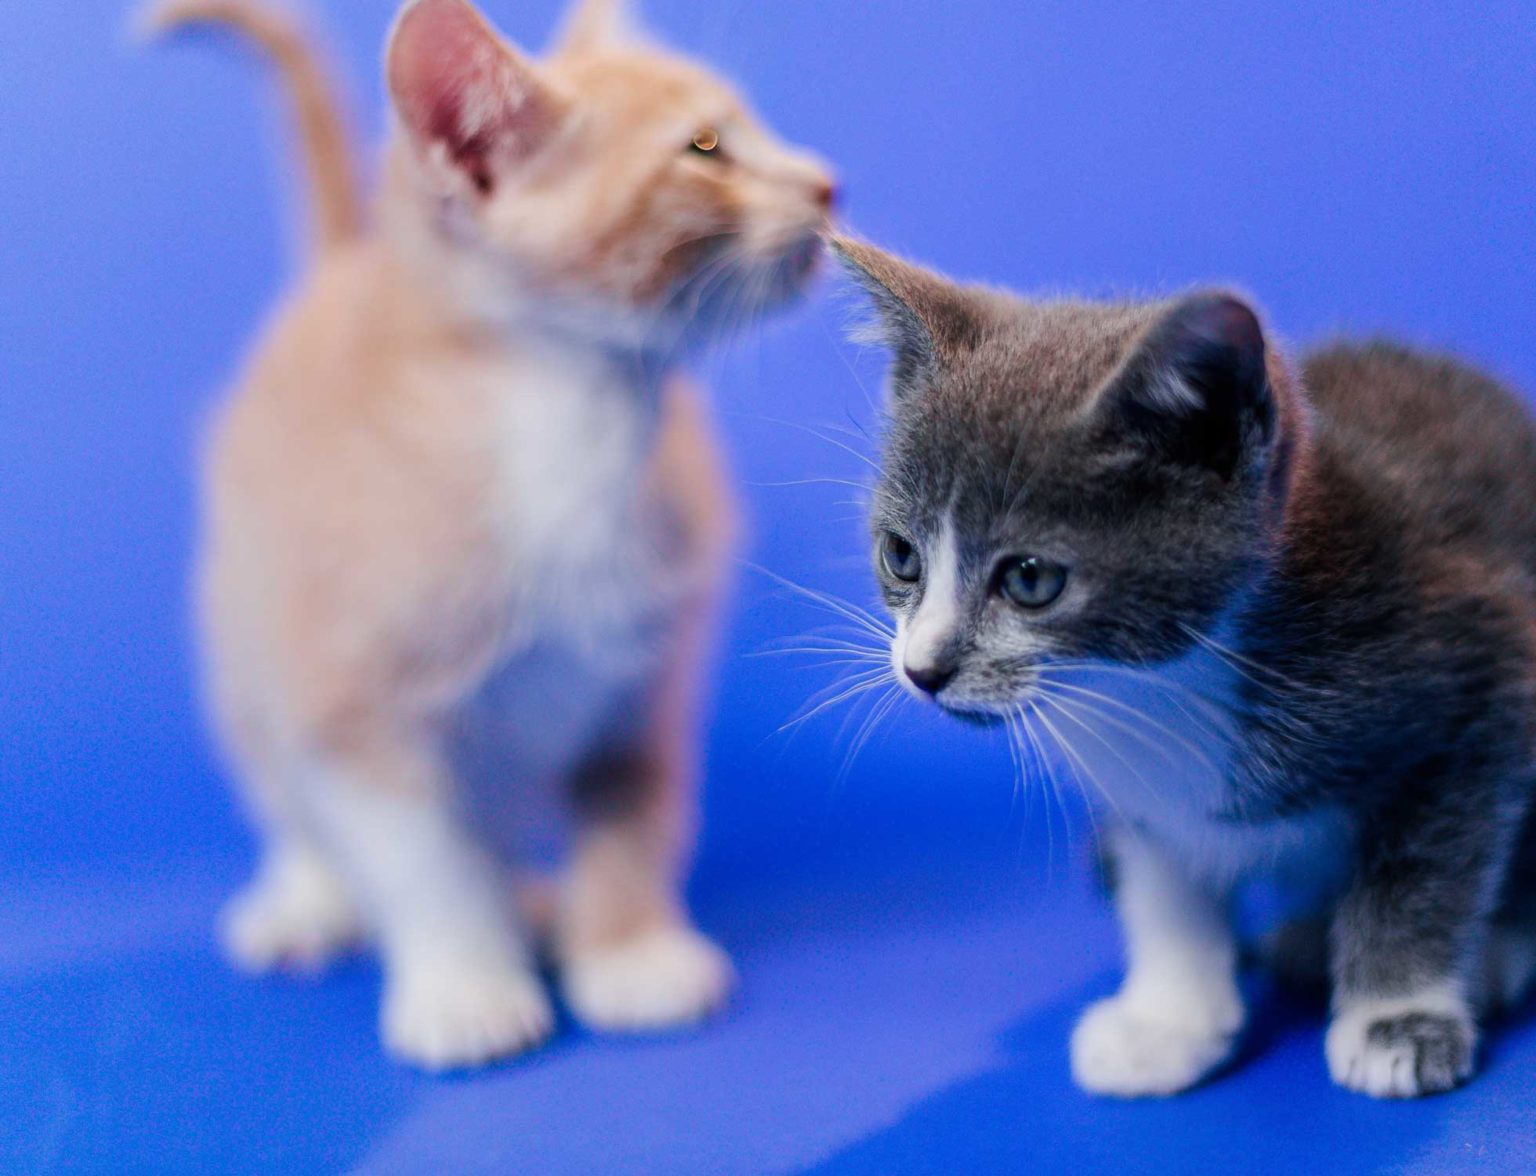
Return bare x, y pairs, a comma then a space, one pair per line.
1161, 750
566, 442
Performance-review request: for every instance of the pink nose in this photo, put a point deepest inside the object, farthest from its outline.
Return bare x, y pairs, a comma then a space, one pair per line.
828, 194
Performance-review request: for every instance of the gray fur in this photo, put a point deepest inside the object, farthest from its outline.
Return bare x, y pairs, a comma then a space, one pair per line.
1362, 535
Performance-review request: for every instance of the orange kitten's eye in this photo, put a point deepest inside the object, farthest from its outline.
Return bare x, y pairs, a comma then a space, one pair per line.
706, 142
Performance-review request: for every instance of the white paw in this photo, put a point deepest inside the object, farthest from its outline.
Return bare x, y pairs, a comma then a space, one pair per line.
671, 976
1402, 1048
1119, 1049
445, 1017
295, 916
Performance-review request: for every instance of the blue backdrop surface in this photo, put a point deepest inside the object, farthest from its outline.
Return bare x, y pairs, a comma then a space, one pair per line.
914, 939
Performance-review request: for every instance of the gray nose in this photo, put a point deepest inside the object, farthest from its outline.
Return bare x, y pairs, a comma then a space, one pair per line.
931, 679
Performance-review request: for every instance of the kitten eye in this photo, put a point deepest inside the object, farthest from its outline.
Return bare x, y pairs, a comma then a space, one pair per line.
707, 142
900, 558
1032, 582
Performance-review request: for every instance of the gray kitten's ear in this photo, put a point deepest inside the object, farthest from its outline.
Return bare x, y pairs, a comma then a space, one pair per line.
1197, 387
593, 24
923, 318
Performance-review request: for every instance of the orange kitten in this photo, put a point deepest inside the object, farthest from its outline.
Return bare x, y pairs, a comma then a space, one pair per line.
461, 500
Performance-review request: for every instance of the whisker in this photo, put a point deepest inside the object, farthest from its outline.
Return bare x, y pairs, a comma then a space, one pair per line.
811, 482
1053, 789
1142, 716
846, 687
1072, 713
864, 619
846, 448
1251, 668
1072, 753
882, 707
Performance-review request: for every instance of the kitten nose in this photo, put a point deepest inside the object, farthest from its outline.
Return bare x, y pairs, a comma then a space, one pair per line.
828, 194
931, 679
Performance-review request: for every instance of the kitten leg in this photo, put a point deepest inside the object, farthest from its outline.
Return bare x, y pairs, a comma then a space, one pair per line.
295, 914
631, 959
1510, 971
1177, 1015
1408, 941
459, 989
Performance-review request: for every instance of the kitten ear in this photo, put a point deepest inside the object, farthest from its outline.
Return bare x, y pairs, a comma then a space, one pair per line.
1198, 385
924, 319
467, 99
595, 23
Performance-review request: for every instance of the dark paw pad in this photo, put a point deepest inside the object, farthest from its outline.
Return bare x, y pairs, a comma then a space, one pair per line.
1440, 1046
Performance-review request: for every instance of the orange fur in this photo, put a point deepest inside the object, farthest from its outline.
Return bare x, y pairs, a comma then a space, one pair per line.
334, 205
461, 474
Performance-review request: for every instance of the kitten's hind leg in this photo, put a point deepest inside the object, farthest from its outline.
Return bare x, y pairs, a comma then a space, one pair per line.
1510, 972
1178, 1014
630, 958
295, 914
1409, 939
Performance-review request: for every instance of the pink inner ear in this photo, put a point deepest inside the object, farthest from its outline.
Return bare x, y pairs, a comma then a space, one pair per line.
456, 83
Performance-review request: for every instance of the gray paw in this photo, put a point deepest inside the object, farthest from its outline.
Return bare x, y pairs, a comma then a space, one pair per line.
1402, 1054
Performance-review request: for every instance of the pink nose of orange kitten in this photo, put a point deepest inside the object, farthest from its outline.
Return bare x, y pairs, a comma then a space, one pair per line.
464, 527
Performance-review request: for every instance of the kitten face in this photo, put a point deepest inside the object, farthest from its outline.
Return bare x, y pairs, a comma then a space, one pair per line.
624, 178
1062, 481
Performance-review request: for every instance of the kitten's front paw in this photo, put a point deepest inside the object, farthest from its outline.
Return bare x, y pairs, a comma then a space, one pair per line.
666, 977
1399, 1050
1121, 1050
446, 1017
293, 917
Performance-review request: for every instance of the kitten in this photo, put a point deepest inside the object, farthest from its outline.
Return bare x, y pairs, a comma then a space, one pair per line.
465, 526
1282, 619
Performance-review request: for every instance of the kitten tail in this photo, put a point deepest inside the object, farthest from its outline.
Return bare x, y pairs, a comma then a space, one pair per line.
335, 208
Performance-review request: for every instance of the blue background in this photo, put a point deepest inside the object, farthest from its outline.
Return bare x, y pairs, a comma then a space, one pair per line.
914, 942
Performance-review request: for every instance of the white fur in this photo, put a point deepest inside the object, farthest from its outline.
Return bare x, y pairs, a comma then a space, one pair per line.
1160, 750
1160, 755
459, 986
1385, 1071
670, 976
1178, 1013
586, 578
295, 914
920, 638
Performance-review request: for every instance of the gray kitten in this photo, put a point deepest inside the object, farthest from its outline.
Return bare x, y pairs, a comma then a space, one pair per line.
1283, 621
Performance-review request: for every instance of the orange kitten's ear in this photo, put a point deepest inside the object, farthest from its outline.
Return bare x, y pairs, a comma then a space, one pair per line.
595, 23
468, 100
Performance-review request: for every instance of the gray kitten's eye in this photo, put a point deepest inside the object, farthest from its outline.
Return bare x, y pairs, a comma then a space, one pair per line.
1032, 582
900, 558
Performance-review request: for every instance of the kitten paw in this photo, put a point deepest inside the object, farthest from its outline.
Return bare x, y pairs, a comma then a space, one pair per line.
666, 977
450, 1017
295, 916
1403, 1048
1124, 1051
